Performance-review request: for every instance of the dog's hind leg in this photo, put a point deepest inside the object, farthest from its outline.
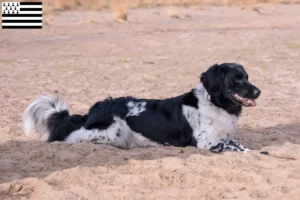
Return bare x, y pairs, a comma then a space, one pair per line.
117, 134
230, 145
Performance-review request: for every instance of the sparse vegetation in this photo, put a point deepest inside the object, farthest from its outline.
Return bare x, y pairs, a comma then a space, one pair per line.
120, 9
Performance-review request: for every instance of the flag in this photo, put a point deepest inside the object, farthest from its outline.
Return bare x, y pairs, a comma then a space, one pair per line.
25, 15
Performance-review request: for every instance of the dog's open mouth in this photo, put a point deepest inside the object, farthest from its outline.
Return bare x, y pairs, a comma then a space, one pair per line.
244, 101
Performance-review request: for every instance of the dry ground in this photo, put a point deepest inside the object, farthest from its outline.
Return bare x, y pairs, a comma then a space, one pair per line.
152, 56
121, 8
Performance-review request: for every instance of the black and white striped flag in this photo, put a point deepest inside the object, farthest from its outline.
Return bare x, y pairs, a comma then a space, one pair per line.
26, 15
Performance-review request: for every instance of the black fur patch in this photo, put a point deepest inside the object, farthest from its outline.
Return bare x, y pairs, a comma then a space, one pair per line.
190, 99
61, 125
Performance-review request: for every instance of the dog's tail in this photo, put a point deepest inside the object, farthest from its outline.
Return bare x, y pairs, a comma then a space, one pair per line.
50, 117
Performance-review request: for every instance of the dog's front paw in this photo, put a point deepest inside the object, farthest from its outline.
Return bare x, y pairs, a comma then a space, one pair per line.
217, 148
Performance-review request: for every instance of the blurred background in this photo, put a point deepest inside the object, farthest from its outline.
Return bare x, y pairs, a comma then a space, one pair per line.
121, 8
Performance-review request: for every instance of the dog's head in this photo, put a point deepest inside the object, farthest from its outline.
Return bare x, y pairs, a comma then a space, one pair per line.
228, 82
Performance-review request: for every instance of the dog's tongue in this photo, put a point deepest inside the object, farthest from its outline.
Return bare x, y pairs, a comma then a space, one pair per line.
252, 102
245, 101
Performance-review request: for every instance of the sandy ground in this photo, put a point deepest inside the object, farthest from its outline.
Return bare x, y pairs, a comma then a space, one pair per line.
152, 56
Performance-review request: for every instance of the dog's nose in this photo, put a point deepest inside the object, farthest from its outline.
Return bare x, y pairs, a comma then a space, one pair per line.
256, 92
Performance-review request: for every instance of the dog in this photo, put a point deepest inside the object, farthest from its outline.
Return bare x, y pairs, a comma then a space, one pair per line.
206, 117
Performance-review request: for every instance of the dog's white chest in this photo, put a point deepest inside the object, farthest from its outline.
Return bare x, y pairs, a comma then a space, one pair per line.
210, 124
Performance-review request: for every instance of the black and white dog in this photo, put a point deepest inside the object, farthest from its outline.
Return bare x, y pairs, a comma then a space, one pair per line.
206, 117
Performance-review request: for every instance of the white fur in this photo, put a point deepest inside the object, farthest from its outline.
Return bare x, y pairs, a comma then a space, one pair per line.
210, 124
118, 134
36, 115
136, 108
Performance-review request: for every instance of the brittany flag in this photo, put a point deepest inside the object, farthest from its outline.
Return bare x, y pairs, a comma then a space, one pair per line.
22, 15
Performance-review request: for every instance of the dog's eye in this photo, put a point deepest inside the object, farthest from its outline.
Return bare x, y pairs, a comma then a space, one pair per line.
238, 80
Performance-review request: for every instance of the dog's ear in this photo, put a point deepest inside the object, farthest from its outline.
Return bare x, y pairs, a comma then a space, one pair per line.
213, 80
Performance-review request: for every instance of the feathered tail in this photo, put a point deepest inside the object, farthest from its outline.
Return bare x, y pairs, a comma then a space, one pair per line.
50, 117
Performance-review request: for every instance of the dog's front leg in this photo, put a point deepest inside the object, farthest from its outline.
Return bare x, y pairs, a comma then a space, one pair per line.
230, 145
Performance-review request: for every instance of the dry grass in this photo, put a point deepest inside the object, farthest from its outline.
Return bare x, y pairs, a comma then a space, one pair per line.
121, 8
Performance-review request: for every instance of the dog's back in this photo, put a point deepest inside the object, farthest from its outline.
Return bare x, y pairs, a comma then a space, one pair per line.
125, 122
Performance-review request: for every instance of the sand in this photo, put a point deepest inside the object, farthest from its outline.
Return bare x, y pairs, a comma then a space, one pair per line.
85, 56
